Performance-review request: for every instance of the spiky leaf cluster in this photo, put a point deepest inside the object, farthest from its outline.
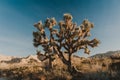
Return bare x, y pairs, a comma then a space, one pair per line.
68, 37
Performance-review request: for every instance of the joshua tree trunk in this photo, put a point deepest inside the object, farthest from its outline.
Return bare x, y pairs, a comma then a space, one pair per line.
50, 63
69, 65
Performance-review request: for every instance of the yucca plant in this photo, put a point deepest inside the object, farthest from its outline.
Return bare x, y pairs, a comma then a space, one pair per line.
66, 37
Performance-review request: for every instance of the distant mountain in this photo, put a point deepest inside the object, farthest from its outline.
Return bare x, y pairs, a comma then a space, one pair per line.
6, 58
107, 54
11, 61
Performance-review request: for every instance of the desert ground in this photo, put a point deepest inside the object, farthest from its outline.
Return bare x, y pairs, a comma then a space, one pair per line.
32, 68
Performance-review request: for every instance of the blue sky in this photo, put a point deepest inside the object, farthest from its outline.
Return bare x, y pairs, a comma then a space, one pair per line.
18, 16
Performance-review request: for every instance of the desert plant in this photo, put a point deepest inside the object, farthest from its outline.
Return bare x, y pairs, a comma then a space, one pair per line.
66, 38
47, 42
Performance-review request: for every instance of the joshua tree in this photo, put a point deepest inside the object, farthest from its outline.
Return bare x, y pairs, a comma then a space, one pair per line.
66, 38
41, 39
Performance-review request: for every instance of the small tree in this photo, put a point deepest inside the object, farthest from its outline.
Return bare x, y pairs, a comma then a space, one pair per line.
67, 38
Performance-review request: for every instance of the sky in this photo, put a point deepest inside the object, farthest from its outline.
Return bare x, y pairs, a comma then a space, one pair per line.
18, 16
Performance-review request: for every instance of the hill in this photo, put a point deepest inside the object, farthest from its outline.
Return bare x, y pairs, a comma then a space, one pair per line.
107, 54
